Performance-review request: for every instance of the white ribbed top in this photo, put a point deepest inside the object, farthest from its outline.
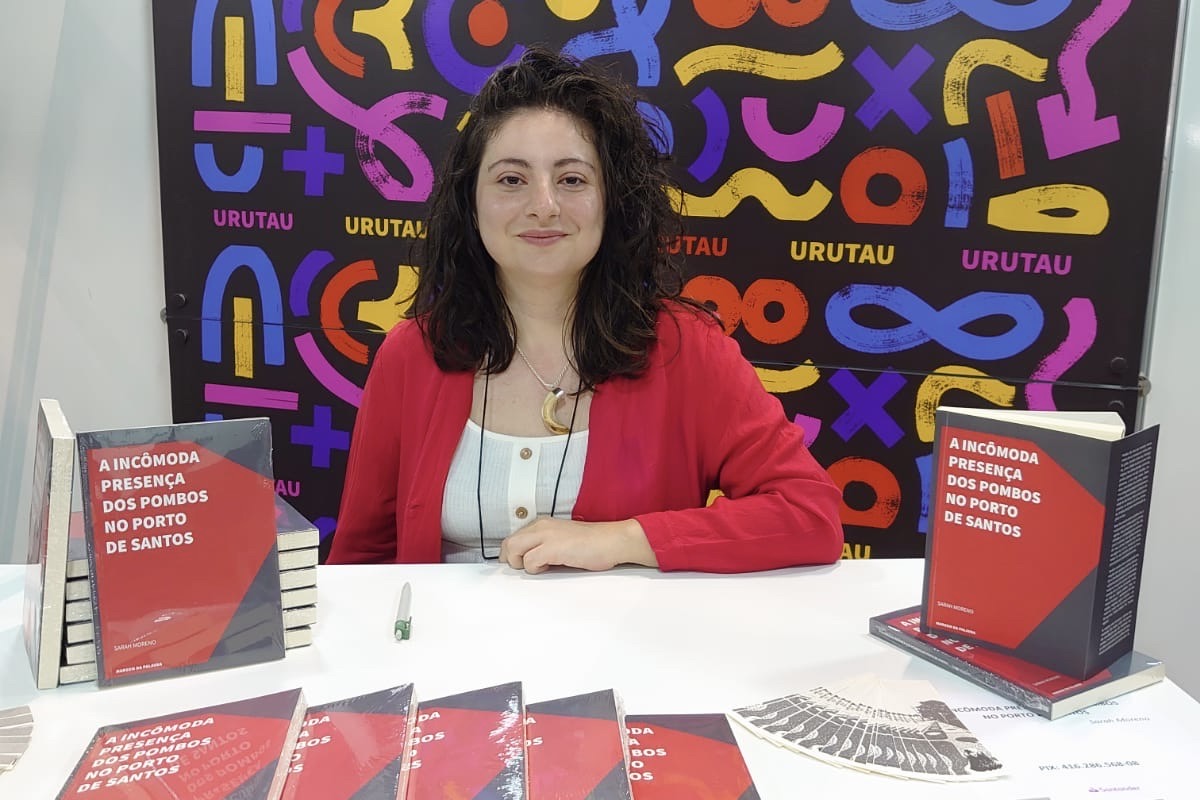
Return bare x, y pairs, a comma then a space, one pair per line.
516, 486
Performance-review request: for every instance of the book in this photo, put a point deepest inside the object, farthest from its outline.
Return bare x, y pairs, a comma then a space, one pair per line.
232, 750
686, 755
49, 527
576, 748
1037, 532
354, 748
181, 544
470, 746
292, 528
1039, 689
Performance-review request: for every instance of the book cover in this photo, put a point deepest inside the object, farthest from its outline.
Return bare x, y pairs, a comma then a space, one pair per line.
46, 557
686, 755
1036, 537
180, 530
238, 750
576, 748
470, 746
1041, 690
354, 749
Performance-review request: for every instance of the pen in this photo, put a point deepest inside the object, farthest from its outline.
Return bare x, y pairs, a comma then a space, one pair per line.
403, 627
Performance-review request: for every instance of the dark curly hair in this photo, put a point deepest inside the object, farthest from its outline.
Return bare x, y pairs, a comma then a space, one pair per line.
458, 303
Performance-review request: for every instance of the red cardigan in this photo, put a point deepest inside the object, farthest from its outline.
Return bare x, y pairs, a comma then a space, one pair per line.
696, 420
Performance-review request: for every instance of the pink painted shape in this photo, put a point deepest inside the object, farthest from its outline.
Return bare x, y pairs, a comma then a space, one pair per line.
241, 122
811, 427
250, 396
324, 372
790, 147
1067, 132
375, 125
1081, 335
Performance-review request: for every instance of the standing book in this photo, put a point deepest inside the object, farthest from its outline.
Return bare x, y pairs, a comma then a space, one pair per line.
232, 751
1041, 690
470, 746
686, 755
180, 529
354, 749
49, 526
1037, 532
576, 748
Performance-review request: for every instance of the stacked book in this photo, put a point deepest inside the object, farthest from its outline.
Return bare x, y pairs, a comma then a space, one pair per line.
297, 539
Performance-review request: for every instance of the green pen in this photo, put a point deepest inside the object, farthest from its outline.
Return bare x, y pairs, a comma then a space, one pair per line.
403, 627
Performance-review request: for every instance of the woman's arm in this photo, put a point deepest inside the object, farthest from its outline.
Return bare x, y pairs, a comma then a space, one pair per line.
366, 524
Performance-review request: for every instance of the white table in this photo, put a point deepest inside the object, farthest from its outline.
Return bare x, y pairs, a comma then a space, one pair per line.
673, 643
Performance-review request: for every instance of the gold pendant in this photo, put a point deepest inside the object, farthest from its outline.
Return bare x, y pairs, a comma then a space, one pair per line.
548, 407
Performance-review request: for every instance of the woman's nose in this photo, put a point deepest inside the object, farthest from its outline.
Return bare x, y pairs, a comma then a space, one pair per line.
543, 199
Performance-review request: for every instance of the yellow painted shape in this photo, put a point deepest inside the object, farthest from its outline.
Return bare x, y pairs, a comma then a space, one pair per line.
713, 495
764, 63
573, 10
243, 337
793, 379
235, 59
985, 52
755, 182
462, 123
1025, 210
386, 24
969, 379
384, 314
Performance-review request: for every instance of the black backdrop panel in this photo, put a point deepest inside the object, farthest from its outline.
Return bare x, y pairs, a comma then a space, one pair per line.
881, 197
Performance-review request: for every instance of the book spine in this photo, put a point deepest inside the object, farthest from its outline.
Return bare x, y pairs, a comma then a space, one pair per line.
1131, 476
980, 677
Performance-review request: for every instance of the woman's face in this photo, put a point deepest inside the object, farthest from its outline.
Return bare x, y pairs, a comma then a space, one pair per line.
539, 199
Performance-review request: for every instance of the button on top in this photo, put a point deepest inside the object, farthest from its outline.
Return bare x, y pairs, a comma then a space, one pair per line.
521, 512
526, 453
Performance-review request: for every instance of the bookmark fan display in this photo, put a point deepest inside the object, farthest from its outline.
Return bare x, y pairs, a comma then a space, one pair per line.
893, 727
16, 729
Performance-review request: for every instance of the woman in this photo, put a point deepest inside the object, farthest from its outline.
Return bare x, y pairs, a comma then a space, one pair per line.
551, 399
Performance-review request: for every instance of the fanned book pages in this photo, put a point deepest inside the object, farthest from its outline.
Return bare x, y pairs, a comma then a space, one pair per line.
180, 528
1037, 528
354, 749
673, 756
49, 527
899, 728
16, 730
231, 751
470, 746
576, 748
1041, 690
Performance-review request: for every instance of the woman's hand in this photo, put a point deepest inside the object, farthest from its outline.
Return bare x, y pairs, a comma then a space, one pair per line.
548, 542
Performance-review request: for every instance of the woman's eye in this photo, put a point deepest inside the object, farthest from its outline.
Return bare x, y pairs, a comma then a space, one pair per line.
573, 180
510, 180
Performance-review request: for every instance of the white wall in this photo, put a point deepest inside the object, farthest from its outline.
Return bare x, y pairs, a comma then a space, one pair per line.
1170, 601
80, 236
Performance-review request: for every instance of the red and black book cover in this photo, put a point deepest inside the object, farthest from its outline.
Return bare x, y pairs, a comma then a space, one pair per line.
470, 746
180, 525
354, 749
686, 755
1041, 690
231, 751
576, 748
1036, 540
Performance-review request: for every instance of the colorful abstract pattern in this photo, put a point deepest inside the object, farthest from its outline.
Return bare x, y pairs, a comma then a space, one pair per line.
892, 204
